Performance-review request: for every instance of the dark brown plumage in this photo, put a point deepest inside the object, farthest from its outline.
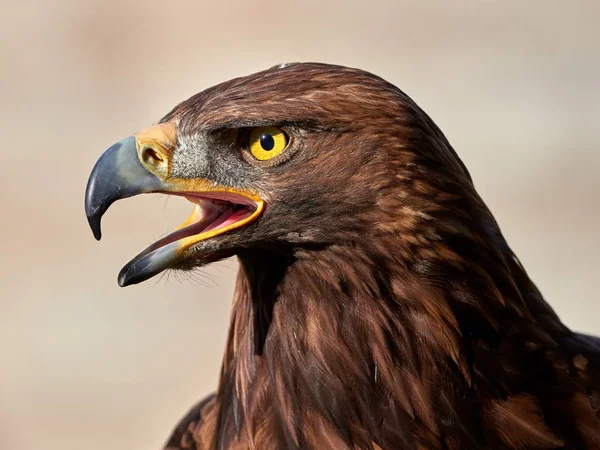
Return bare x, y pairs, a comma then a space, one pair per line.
377, 304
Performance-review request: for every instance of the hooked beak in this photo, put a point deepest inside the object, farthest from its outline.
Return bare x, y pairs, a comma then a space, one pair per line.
142, 164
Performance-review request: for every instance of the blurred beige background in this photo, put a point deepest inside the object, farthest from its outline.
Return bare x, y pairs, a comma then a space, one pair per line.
84, 364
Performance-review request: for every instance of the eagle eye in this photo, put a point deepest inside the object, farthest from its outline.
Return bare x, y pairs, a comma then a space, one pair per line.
266, 142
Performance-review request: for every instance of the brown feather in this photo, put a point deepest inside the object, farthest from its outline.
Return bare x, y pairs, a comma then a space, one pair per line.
377, 303
519, 423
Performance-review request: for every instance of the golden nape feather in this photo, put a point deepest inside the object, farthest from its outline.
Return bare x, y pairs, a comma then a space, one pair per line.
377, 304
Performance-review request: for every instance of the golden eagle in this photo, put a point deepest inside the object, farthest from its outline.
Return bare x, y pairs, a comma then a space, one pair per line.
377, 304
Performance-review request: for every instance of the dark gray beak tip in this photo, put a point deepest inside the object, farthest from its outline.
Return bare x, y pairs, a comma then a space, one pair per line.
130, 275
123, 278
94, 222
94, 209
150, 262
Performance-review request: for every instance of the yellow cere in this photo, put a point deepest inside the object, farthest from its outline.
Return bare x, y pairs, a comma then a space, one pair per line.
266, 142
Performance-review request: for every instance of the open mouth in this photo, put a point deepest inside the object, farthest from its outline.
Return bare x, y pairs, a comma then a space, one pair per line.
214, 213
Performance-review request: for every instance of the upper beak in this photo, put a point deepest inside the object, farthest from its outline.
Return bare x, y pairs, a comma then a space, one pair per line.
117, 174
142, 164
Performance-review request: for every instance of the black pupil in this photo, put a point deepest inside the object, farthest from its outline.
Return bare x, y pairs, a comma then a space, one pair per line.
267, 142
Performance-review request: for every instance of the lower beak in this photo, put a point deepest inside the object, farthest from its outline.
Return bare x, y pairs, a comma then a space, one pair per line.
141, 164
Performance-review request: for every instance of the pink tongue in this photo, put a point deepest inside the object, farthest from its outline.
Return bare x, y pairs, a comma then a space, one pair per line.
229, 217
221, 221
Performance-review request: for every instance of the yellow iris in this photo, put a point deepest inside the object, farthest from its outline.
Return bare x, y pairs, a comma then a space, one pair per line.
266, 142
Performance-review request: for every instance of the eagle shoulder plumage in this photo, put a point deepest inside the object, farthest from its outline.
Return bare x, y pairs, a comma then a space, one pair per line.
377, 304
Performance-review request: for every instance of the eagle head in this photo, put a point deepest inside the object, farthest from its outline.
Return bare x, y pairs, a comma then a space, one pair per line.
297, 156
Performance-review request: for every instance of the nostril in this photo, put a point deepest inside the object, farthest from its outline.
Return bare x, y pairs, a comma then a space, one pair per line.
154, 160
151, 156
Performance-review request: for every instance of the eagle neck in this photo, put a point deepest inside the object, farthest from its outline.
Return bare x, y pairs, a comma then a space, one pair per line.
331, 343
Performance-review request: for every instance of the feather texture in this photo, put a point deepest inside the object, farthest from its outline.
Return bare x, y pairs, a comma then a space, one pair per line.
378, 305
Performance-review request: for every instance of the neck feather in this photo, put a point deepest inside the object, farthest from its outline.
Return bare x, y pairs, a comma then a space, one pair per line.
354, 346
